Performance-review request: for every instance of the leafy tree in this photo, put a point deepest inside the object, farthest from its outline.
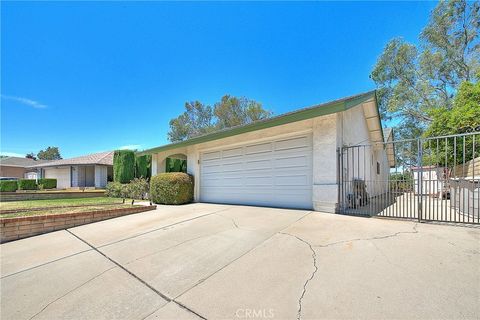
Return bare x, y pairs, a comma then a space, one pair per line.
232, 111
31, 155
463, 116
412, 81
51, 153
196, 120
201, 119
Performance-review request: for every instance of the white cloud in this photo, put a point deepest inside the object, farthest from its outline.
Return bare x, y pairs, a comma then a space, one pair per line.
12, 154
25, 101
130, 147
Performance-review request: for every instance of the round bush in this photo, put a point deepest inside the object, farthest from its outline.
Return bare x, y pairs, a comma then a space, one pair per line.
171, 188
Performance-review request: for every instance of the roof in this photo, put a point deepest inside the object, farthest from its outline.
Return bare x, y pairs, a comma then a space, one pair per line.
20, 162
104, 158
298, 115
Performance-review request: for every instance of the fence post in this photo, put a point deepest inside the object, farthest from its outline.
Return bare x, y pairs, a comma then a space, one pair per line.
339, 179
420, 179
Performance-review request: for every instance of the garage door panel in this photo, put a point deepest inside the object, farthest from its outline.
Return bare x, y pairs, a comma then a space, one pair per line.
275, 173
292, 143
211, 156
293, 180
258, 148
237, 152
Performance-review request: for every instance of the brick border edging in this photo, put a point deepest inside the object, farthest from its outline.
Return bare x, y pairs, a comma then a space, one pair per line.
23, 227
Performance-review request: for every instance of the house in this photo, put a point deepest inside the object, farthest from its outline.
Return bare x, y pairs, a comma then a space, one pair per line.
93, 170
429, 180
18, 167
290, 160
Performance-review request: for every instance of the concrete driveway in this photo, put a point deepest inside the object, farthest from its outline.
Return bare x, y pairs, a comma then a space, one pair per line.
218, 261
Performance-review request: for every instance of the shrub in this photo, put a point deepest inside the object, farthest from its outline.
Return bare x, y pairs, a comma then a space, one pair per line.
142, 166
27, 184
171, 188
175, 165
8, 186
115, 190
137, 188
123, 166
48, 183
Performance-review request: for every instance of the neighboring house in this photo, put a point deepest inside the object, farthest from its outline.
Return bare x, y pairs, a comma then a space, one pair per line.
91, 170
284, 161
430, 178
17, 167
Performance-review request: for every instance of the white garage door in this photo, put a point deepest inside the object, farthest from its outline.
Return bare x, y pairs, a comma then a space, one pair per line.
274, 173
61, 174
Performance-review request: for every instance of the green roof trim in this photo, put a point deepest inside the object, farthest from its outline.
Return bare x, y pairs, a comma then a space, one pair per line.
298, 115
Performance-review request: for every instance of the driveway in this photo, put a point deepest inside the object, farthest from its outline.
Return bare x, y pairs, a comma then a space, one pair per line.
218, 261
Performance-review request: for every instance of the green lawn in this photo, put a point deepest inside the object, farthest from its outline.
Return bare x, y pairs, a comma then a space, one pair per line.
59, 206
57, 203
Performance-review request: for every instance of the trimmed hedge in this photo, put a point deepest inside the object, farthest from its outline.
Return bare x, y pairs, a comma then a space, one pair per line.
123, 166
172, 188
48, 183
27, 184
8, 186
141, 166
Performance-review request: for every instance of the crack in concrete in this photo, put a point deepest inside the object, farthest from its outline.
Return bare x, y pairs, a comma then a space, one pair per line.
163, 296
74, 289
314, 257
368, 239
228, 218
242, 255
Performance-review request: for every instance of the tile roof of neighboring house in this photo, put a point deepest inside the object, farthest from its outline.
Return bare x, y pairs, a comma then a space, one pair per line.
20, 162
105, 158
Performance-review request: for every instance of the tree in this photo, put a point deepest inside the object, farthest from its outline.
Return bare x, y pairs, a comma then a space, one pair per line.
51, 153
199, 119
123, 166
463, 116
412, 81
196, 120
31, 155
232, 111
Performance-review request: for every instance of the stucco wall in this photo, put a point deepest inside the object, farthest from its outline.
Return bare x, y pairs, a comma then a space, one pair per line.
361, 163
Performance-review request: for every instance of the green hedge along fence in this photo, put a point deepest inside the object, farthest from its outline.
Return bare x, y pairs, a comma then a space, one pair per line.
47, 183
8, 186
27, 184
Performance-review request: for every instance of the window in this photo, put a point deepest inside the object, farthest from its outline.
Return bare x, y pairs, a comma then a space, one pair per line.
378, 167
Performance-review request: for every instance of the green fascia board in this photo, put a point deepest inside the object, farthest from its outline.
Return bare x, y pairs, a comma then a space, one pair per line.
299, 115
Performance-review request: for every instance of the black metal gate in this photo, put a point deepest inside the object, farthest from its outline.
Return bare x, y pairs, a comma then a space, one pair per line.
426, 179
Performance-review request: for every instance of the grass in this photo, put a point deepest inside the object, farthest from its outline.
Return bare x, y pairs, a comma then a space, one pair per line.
59, 206
27, 204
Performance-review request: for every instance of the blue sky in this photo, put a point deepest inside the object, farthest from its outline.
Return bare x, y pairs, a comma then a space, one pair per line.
90, 77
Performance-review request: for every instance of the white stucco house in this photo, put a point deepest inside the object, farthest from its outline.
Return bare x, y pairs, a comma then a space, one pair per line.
91, 170
287, 161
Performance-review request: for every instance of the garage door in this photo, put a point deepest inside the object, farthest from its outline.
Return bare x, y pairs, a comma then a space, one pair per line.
275, 173
61, 174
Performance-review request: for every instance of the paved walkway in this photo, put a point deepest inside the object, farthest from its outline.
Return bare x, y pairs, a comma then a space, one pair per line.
218, 261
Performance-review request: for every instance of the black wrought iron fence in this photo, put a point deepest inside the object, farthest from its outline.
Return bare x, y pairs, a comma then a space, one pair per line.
429, 179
